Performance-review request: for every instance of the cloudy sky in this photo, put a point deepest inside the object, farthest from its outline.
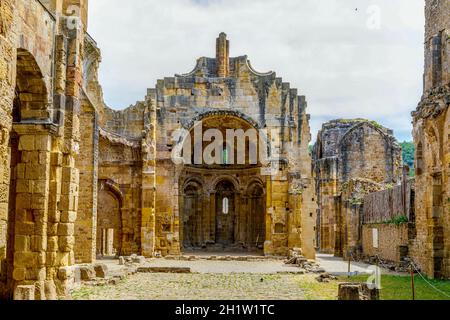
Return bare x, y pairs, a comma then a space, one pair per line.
351, 58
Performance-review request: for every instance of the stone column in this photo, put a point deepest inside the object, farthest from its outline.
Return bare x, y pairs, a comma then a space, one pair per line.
7, 85
87, 162
213, 216
237, 214
68, 149
148, 222
32, 202
206, 217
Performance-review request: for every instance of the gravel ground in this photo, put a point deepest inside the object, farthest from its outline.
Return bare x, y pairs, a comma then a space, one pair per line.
213, 280
200, 287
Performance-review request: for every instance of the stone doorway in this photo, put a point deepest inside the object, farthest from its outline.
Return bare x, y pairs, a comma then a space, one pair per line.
109, 225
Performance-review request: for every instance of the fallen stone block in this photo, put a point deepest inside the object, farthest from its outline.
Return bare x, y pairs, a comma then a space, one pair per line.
121, 261
24, 293
139, 259
163, 270
101, 270
171, 258
357, 291
87, 273
349, 292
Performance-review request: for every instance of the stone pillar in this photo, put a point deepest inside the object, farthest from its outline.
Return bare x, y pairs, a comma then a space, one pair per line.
7, 85
87, 162
206, 218
66, 151
223, 55
244, 221
213, 216
148, 222
32, 204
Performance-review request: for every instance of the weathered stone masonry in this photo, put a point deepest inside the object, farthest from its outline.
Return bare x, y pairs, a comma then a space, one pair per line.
351, 159
156, 197
431, 247
40, 80
68, 196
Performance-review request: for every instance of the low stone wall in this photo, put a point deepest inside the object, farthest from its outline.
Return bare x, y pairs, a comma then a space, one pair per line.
392, 242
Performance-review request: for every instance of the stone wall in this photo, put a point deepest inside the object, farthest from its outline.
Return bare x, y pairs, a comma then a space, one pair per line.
391, 213
261, 100
389, 242
40, 64
135, 152
351, 158
431, 247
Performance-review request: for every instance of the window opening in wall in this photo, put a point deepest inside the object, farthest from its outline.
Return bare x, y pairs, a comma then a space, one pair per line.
225, 206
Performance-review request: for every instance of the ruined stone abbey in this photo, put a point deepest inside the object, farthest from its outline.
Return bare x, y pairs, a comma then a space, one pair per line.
79, 180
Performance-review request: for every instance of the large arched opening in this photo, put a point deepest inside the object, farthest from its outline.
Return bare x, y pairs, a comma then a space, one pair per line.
221, 208
28, 180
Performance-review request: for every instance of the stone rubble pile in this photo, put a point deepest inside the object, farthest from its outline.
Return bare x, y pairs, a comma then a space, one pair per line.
308, 266
133, 259
99, 275
402, 267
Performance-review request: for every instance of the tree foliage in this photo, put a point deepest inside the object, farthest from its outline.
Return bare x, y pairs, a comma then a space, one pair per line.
408, 154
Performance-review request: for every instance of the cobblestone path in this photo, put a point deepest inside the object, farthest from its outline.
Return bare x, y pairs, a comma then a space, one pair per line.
229, 286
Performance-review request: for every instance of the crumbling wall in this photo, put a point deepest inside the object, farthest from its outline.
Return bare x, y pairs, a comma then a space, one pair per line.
260, 100
120, 165
388, 242
350, 154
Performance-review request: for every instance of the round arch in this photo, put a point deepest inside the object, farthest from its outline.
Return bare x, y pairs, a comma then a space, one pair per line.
31, 94
109, 219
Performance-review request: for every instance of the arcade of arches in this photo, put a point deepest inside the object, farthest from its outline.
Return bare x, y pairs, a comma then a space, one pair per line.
222, 204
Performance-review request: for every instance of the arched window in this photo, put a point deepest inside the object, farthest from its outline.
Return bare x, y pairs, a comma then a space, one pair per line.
225, 205
225, 159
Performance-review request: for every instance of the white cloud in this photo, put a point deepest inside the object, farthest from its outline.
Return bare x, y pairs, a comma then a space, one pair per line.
322, 47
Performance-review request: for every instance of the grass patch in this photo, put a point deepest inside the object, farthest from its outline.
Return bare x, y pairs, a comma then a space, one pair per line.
399, 287
314, 290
